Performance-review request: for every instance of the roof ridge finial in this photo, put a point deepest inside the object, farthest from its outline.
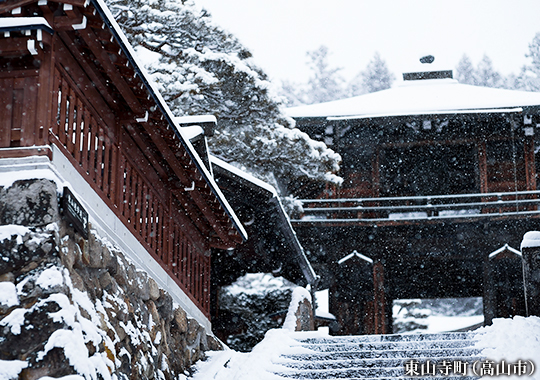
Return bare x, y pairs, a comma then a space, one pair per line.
427, 59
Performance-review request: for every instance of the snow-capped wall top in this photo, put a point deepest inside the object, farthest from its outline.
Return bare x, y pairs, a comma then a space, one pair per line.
421, 97
191, 119
531, 240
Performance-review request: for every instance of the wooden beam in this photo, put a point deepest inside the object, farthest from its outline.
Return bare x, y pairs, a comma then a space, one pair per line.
82, 83
90, 70
16, 46
9, 5
188, 182
137, 145
112, 71
379, 301
157, 165
482, 166
26, 152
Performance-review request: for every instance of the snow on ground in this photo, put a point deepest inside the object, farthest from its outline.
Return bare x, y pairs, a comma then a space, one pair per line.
413, 316
229, 365
512, 340
441, 323
508, 339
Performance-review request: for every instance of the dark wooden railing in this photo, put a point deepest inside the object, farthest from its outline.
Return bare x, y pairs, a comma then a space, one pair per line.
418, 208
124, 178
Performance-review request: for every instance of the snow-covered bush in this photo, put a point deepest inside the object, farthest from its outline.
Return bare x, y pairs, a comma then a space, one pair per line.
254, 304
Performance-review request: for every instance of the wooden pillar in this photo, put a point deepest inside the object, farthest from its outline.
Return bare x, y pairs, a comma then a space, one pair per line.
45, 95
379, 299
530, 250
503, 284
482, 166
530, 169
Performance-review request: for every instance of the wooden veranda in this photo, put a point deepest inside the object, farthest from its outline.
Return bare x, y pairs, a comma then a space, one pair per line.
69, 80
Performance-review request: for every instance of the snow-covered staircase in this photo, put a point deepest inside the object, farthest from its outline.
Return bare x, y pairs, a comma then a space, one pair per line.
444, 355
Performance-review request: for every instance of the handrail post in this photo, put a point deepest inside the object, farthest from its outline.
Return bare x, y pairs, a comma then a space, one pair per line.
530, 253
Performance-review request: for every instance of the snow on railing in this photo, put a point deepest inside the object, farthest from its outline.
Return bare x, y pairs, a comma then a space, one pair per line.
409, 208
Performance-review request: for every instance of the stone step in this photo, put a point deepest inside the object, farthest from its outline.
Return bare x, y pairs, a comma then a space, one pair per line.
364, 363
391, 338
381, 357
429, 344
396, 354
361, 373
409, 378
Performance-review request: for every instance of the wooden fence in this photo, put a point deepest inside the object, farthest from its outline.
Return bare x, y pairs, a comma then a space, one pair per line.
116, 168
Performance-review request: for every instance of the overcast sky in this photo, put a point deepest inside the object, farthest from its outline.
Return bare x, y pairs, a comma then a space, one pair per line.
280, 32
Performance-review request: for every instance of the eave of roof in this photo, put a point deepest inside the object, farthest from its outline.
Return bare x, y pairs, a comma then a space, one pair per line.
162, 108
421, 97
268, 199
128, 50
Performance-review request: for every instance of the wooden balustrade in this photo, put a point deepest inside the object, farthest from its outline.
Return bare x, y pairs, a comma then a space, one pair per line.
420, 208
124, 178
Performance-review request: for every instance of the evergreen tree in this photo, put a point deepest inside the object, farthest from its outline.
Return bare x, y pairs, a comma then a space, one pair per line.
529, 76
377, 76
355, 87
486, 75
325, 84
203, 70
465, 71
294, 94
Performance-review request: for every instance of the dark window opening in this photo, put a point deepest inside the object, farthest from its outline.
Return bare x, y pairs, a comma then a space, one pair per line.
429, 170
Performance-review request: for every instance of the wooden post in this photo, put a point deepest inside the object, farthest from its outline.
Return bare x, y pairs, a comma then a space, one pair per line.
379, 301
530, 170
482, 166
530, 250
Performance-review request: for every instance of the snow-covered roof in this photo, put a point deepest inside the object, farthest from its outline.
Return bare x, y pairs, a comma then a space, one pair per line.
355, 253
128, 50
242, 174
422, 97
192, 119
9, 24
191, 131
504, 248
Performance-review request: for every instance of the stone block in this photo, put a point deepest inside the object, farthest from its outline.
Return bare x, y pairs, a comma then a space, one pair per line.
153, 288
165, 305
213, 343
30, 202
180, 318
193, 331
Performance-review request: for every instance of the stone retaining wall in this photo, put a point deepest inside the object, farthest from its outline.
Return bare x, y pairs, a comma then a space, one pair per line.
75, 306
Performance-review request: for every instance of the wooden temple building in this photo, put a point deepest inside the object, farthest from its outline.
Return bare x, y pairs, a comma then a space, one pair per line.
440, 185
76, 105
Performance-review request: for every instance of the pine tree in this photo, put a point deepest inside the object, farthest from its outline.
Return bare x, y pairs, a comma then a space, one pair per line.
203, 70
294, 94
486, 75
325, 84
465, 72
529, 76
377, 76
